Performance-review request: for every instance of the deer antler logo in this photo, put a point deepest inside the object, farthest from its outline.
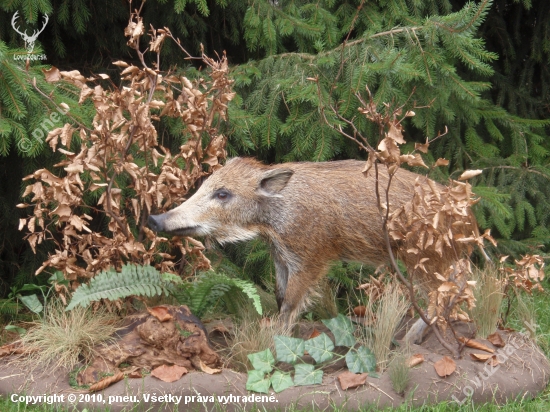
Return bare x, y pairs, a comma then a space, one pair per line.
29, 40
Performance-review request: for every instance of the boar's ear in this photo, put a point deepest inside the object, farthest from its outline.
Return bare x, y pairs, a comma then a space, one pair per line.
273, 181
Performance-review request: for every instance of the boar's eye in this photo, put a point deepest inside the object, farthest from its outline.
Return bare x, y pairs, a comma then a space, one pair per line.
222, 194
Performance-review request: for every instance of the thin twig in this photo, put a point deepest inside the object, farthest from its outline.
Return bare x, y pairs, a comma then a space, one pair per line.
59, 108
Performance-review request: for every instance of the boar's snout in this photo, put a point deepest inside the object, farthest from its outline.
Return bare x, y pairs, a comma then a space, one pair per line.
156, 222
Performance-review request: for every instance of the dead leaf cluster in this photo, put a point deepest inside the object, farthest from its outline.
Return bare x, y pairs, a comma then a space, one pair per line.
118, 172
374, 288
526, 274
445, 302
435, 230
168, 341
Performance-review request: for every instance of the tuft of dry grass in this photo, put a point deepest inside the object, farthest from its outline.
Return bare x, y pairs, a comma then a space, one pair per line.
489, 293
386, 314
61, 339
526, 313
253, 334
399, 372
323, 300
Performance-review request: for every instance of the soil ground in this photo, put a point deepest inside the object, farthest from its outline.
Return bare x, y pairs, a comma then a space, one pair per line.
523, 371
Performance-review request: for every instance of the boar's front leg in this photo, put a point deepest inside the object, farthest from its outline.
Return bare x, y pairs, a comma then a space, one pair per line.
294, 285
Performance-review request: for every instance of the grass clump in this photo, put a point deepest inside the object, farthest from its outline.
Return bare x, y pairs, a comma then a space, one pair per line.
61, 338
526, 313
254, 334
399, 372
489, 293
386, 310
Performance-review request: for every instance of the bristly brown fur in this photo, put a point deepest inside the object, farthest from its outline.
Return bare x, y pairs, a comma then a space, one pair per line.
310, 213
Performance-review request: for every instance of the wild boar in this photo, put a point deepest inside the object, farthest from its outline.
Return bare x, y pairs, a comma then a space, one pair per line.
310, 213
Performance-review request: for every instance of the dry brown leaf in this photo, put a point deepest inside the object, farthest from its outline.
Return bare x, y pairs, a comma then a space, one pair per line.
169, 373
121, 63
445, 366
314, 333
11, 349
135, 375
415, 360
360, 310
441, 162
468, 174
496, 340
207, 369
52, 75
349, 380
396, 133
368, 164
106, 382
423, 147
471, 343
483, 357
416, 160
161, 313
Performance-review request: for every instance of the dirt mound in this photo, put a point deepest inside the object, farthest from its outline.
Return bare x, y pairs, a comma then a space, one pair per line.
163, 335
522, 371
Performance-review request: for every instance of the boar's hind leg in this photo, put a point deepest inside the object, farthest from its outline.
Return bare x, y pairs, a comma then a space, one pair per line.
282, 279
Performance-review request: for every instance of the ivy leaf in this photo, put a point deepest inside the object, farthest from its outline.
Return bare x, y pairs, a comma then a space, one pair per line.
257, 382
281, 381
361, 360
262, 361
288, 349
31, 302
307, 375
320, 348
342, 329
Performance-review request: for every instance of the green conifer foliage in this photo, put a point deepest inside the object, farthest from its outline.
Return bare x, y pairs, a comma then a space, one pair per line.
482, 68
25, 121
415, 54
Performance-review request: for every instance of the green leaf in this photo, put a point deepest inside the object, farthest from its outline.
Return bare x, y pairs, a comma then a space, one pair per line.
262, 361
307, 375
16, 329
257, 382
58, 277
281, 381
29, 287
170, 277
342, 329
361, 360
32, 303
320, 348
288, 349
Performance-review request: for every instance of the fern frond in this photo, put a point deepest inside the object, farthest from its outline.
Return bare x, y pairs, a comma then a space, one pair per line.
210, 288
132, 280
